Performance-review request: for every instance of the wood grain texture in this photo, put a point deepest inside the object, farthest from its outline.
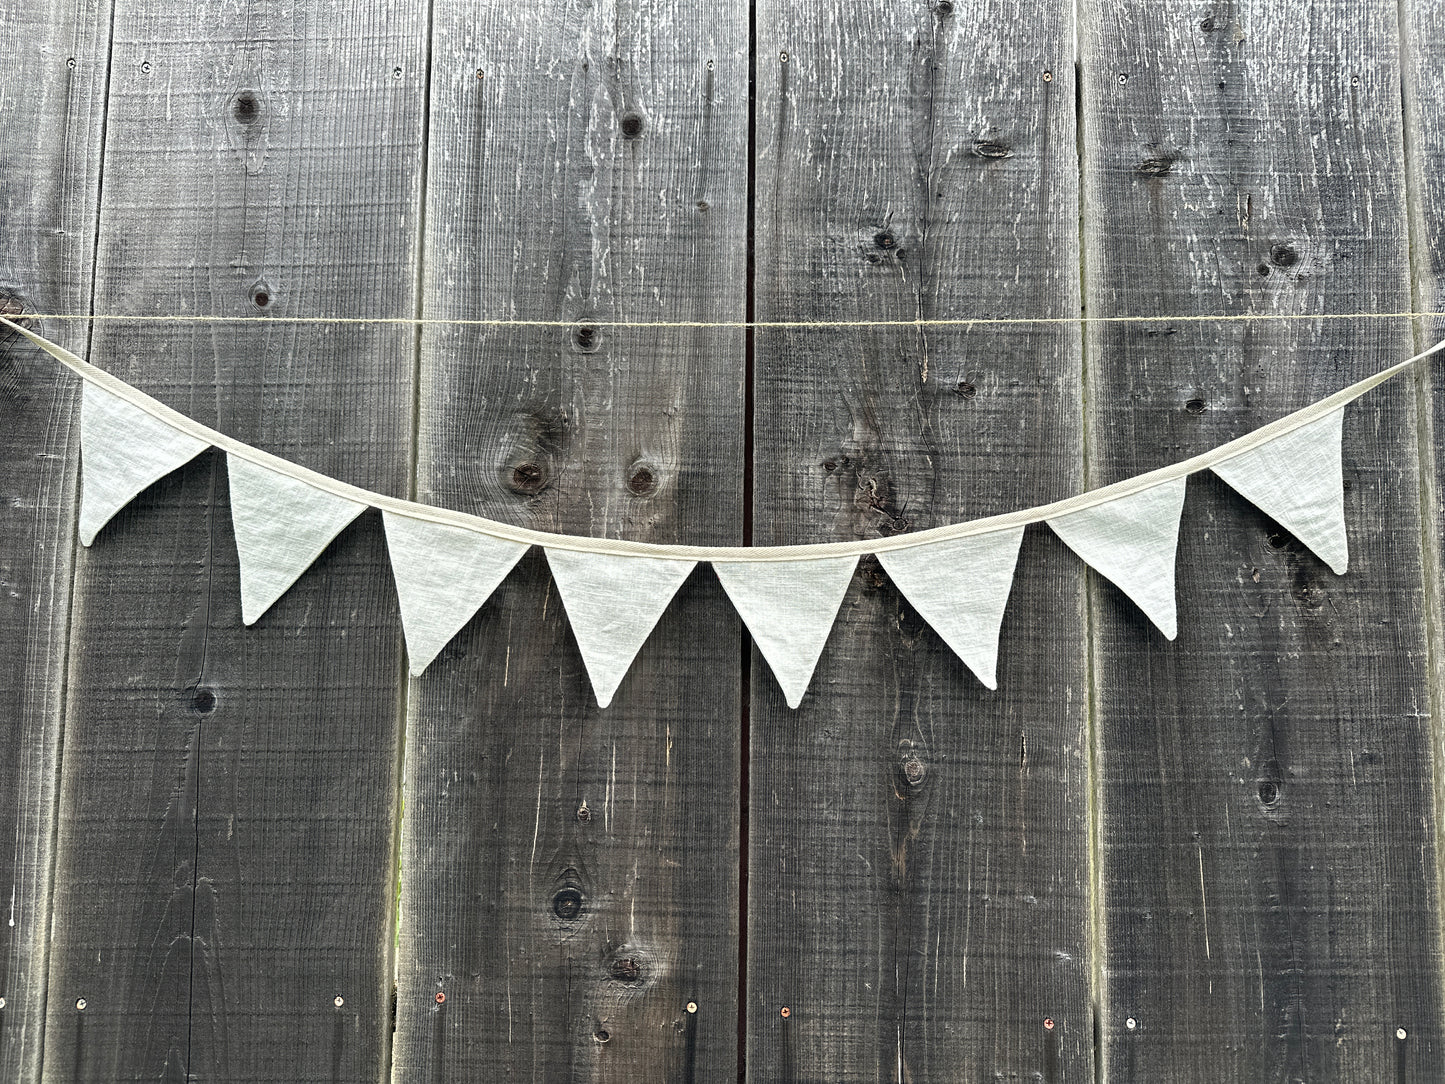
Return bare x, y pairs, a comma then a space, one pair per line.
1266, 824
53, 82
570, 876
1422, 54
918, 845
225, 865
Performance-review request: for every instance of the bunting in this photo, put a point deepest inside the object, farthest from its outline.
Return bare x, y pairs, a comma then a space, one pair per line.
1299, 482
961, 588
1131, 541
612, 604
122, 451
443, 575
447, 564
282, 524
789, 608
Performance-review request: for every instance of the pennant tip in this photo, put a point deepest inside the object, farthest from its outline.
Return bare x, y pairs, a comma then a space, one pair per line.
604, 699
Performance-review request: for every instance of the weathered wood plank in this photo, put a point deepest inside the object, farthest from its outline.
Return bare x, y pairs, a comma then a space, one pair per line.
919, 857
571, 876
1422, 54
52, 91
1268, 851
228, 800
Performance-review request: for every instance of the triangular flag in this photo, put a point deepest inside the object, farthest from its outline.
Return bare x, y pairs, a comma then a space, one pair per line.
789, 608
960, 587
443, 575
282, 525
612, 604
123, 449
1298, 481
1131, 541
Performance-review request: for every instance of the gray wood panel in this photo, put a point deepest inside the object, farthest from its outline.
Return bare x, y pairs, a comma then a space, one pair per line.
52, 89
1422, 56
225, 865
1270, 907
570, 875
918, 875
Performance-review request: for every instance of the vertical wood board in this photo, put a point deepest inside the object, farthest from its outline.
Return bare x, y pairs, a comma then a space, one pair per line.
918, 844
570, 875
1422, 53
1268, 854
54, 84
225, 871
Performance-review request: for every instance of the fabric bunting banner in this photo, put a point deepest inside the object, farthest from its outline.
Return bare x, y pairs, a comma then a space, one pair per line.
446, 564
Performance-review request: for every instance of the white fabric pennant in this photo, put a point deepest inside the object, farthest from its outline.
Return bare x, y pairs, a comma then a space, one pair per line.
961, 588
1298, 481
1132, 541
612, 604
443, 575
282, 525
789, 608
123, 450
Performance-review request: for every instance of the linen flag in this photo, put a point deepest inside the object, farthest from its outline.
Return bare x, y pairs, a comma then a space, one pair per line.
1131, 541
443, 575
1298, 481
789, 608
282, 524
123, 449
961, 587
612, 604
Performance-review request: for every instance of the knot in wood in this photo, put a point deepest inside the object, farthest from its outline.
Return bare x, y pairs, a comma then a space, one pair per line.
1283, 256
913, 770
1158, 166
586, 338
528, 479
991, 148
641, 480
246, 108
567, 904
626, 969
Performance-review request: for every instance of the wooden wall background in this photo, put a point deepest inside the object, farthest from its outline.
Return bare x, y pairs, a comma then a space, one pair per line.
266, 855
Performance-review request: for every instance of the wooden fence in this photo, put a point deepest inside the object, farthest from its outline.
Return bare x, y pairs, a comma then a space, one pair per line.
265, 854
